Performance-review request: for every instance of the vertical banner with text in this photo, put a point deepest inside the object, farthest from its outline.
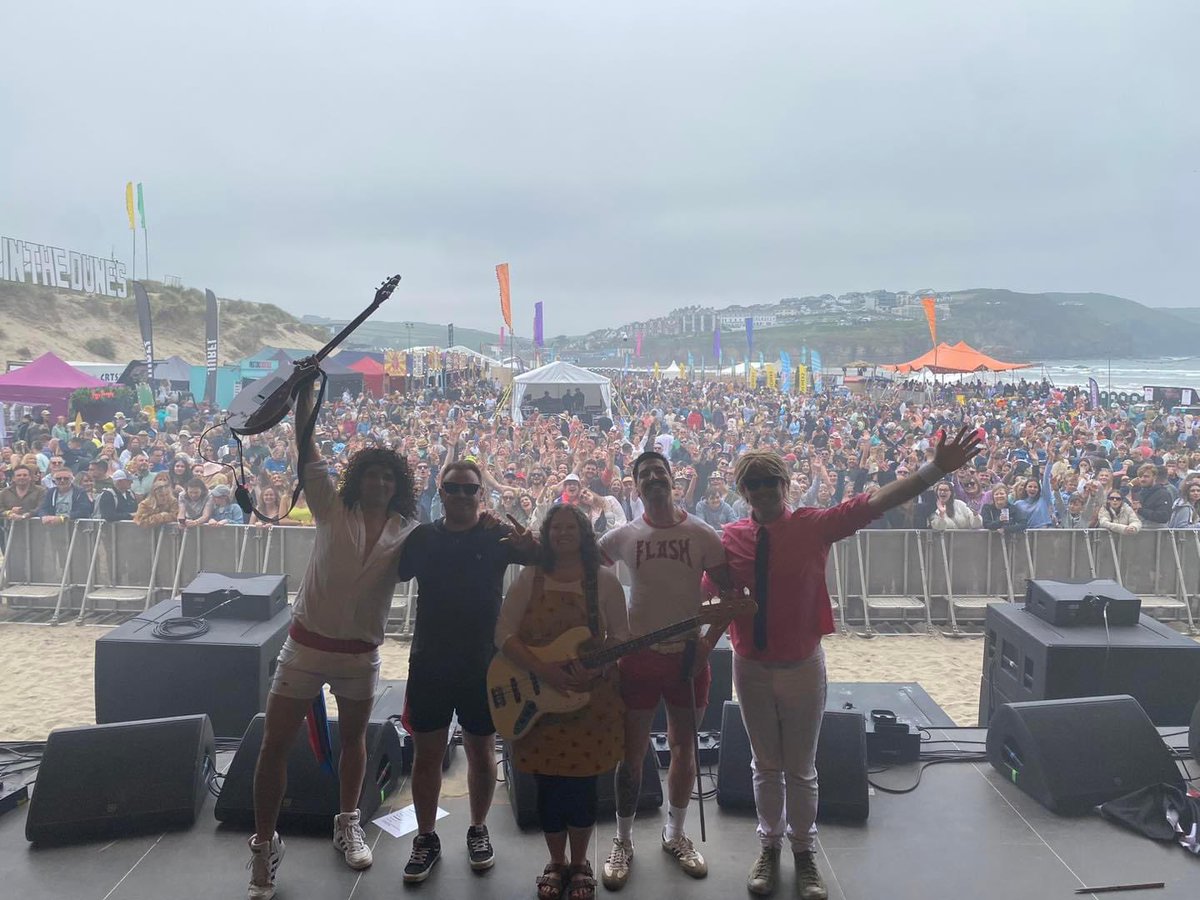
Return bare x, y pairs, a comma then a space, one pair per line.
212, 337
143, 314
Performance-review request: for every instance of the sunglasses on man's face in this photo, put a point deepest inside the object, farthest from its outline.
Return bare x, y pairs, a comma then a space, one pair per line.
754, 483
62, 480
453, 487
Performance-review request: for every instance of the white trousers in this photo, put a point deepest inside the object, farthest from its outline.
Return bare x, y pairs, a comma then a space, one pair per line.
782, 705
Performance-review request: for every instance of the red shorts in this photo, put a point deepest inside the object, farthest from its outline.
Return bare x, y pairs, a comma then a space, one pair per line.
646, 676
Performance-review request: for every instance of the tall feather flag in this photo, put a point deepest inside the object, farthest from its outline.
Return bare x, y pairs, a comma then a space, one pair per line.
818, 383
930, 305
1094, 393
141, 206
538, 324
505, 297
144, 324
129, 204
638, 349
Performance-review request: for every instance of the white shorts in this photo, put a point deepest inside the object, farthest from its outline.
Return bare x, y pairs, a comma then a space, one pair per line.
301, 672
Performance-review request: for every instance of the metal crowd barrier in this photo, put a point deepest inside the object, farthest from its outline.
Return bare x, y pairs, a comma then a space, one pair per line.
880, 581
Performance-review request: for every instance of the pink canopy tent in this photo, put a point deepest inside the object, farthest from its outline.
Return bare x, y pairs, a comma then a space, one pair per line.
372, 373
47, 381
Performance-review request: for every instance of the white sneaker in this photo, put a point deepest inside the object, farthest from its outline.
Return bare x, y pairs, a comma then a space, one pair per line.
264, 863
350, 839
616, 867
686, 855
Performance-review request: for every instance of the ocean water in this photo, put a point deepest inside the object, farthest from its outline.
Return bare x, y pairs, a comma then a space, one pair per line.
1123, 374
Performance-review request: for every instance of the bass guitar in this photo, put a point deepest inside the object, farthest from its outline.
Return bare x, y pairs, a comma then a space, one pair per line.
264, 404
518, 697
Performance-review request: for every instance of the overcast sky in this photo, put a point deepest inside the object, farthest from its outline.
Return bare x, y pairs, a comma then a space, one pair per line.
625, 158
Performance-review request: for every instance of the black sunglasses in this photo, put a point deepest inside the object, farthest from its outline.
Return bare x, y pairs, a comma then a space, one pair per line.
1116, 497
753, 484
453, 487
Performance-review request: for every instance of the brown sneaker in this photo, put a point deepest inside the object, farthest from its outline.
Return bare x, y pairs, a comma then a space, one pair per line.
808, 879
764, 874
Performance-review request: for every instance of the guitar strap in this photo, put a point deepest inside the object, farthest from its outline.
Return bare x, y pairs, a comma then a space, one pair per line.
304, 433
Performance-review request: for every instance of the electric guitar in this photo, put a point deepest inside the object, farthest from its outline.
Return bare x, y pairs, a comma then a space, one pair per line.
254, 411
518, 697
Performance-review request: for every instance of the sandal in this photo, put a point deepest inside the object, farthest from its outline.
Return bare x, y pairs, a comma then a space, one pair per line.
550, 882
582, 885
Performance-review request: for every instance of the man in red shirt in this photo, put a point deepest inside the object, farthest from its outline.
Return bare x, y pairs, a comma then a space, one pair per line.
778, 663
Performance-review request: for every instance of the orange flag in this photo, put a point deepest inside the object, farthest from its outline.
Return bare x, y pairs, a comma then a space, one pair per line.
931, 317
505, 299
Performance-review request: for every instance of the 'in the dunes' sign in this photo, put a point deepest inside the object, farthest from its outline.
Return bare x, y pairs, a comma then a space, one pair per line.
29, 263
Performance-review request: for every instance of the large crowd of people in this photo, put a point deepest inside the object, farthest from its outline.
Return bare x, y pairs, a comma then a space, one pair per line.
699, 488
1049, 459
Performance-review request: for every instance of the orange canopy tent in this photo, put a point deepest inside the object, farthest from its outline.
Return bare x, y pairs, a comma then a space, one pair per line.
960, 358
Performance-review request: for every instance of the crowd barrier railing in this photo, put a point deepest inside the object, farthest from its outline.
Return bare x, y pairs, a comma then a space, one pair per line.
880, 581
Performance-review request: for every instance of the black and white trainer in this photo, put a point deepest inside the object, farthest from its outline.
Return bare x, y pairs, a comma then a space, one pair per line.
479, 848
427, 849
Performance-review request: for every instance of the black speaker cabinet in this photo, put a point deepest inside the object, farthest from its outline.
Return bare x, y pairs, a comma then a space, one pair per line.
102, 781
235, 595
1071, 755
522, 790
841, 766
1026, 658
312, 796
225, 673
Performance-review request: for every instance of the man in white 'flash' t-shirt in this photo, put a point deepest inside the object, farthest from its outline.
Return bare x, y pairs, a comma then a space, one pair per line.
668, 551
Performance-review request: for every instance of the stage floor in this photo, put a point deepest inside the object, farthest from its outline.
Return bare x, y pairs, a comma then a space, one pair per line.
964, 832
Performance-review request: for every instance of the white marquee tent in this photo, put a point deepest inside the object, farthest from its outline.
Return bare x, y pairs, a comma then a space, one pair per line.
556, 379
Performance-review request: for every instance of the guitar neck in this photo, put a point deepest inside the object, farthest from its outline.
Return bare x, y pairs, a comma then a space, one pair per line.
604, 657
345, 332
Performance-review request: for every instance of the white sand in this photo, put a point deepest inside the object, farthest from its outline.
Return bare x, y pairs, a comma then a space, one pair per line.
47, 673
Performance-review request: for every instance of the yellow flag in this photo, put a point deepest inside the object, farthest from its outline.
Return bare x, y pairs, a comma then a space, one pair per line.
129, 203
656, 370
802, 379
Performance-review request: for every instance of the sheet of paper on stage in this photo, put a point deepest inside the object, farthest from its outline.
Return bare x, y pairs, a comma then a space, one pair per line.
403, 821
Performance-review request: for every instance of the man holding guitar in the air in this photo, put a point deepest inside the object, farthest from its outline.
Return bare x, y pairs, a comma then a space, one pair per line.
338, 621
668, 551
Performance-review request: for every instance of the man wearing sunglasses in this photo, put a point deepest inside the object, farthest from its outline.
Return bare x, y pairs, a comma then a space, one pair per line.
64, 501
459, 562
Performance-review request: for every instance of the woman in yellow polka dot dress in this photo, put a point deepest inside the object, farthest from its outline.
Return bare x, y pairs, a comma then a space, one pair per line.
566, 752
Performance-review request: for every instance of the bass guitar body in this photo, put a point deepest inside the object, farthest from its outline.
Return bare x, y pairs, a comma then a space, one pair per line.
518, 697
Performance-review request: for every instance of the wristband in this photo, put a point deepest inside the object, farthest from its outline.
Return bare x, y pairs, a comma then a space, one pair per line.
930, 474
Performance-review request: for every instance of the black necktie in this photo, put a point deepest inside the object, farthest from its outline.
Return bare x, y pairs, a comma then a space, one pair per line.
762, 560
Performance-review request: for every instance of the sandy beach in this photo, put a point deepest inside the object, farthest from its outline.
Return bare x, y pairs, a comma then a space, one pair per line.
47, 673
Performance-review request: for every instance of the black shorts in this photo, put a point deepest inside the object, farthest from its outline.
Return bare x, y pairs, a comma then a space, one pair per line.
432, 699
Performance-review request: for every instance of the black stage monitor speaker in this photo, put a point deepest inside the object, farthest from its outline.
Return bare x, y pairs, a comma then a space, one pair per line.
1082, 603
225, 672
235, 595
312, 797
522, 790
1071, 755
841, 765
103, 781
1027, 658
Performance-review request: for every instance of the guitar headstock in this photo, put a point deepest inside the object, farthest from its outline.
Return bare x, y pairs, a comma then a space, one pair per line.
385, 289
720, 611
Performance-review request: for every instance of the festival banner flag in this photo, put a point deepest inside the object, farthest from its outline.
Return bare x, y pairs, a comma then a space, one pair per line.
538, 325
691, 363
802, 379
142, 300
393, 362
212, 337
638, 348
129, 204
1094, 393
141, 206
656, 371
505, 298
930, 305
818, 382
785, 370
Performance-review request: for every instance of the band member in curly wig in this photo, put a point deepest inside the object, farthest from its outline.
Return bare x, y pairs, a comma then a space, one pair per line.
338, 621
